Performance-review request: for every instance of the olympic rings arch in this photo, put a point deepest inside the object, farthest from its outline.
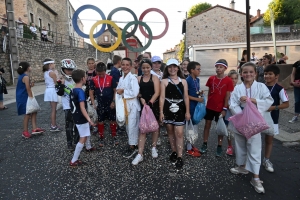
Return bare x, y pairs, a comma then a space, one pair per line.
121, 35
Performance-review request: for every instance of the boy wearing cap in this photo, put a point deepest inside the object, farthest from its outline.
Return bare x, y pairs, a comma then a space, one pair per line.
220, 87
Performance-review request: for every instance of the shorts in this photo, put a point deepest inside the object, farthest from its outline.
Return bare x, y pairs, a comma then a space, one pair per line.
106, 113
276, 129
84, 130
211, 114
1, 97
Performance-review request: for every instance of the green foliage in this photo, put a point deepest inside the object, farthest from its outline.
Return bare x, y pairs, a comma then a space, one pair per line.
198, 8
286, 12
181, 51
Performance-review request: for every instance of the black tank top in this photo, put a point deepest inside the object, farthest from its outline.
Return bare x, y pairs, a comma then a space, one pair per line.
147, 89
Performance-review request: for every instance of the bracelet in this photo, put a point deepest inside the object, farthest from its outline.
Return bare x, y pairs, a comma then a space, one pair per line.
225, 109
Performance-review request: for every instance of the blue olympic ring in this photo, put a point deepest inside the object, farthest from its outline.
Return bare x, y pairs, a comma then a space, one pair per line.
75, 16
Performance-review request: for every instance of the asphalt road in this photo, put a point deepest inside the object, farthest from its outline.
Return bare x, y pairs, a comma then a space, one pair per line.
37, 168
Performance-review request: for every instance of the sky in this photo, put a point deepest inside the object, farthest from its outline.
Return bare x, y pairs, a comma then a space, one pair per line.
154, 19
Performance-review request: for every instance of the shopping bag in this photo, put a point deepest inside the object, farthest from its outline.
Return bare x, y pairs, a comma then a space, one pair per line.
59, 103
120, 110
92, 112
148, 121
32, 105
221, 128
270, 131
190, 132
249, 122
200, 112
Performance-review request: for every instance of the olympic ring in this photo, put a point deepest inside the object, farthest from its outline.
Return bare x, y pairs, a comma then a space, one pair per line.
125, 9
75, 17
113, 47
121, 35
166, 21
124, 36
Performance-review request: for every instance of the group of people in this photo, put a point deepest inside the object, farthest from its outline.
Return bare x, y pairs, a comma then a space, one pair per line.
172, 96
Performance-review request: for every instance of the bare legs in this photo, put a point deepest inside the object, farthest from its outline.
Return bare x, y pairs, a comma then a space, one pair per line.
53, 113
175, 134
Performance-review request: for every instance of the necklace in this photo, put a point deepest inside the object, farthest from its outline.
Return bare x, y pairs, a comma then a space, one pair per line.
217, 85
101, 88
197, 88
272, 88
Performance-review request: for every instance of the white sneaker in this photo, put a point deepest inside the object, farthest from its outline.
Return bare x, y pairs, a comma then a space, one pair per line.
257, 186
138, 158
154, 152
158, 143
294, 119
239, 170
268, 165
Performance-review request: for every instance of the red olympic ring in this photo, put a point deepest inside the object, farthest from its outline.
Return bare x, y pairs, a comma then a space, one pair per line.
166, 21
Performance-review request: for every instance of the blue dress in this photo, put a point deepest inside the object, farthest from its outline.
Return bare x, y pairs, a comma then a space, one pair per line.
21, 95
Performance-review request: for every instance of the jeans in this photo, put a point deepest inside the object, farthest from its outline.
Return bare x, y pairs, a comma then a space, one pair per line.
297, 99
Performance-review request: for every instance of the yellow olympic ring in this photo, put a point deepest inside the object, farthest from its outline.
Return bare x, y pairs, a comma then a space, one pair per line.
113, 47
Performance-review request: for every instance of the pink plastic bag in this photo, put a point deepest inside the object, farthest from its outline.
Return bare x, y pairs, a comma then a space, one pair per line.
249, 122
148, 122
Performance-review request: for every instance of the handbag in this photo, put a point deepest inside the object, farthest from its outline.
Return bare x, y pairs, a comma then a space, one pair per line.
32, 105
200, 112
190, 132
148, 121
270, 131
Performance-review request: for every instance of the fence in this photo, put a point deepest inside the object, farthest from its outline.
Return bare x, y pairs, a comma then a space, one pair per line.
278, 29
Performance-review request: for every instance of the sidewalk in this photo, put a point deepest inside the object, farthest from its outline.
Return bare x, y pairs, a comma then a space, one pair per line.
288, 132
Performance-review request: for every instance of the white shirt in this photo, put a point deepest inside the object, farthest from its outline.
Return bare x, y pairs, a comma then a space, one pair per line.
65, 99
33, 29
159, 76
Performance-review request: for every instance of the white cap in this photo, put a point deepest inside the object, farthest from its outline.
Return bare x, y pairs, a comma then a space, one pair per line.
172, 61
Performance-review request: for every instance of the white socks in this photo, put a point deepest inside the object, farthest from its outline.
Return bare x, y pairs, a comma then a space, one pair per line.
77, 151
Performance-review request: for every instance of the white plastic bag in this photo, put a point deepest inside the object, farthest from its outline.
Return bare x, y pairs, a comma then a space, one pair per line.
59, 103
120, 110
190, 132
221, 128
270, 131
32, 105
92, 112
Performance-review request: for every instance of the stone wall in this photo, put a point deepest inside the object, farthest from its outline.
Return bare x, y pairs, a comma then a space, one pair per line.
216, 26
20, 9
279, 37
35, 52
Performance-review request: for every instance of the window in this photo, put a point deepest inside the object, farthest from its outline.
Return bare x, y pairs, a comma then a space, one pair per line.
105, 38
49, 27
31, 18
40, 23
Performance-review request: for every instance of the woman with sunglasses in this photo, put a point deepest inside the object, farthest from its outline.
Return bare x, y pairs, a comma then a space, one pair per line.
174, 108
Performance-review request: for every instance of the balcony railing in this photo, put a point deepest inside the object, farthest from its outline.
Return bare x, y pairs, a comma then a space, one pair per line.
278, 29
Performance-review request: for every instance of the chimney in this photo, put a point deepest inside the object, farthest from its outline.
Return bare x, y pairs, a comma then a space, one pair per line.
258, 13
232, 5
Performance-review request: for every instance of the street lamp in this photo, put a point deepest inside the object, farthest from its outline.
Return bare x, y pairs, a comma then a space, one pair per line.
186, 53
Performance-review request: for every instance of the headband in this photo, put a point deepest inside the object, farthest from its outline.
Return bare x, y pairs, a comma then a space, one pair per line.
48, 62
218, 63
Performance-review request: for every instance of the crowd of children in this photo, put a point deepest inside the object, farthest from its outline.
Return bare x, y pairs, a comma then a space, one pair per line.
172, 96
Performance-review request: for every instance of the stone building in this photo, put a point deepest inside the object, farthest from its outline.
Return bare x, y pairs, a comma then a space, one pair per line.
171, 53
55, 15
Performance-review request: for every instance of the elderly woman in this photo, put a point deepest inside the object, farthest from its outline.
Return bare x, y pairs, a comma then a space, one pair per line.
295, 81
2, 89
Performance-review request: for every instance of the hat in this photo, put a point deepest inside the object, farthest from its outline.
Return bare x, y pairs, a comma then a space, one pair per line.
155, 59
222, 62
172, 61
145, 60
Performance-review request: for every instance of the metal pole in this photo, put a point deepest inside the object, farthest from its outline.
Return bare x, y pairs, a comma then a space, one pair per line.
97, 41
248, 29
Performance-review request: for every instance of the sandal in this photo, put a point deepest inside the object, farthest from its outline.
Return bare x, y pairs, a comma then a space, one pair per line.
4, 108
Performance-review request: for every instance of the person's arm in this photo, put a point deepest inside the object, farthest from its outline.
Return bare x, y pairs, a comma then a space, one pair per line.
191, 98
225, 107
53, 76
293, 76
284, 99
84, 113
156, 89
186, 100
25, 80
234, 101
265, 101
162, 99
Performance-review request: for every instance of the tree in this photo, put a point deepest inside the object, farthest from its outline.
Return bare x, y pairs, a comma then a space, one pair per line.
180, 54
198, 8
286, 12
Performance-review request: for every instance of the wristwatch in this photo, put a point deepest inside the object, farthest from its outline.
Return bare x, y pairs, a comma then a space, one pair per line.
276, 107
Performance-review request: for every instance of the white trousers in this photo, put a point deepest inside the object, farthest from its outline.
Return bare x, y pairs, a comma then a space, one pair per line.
132, 127
248, 152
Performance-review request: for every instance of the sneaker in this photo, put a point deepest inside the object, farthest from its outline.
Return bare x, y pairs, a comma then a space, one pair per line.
219, 151
239, 170
101, 142
26, 134
158, 143
116, 141
229, 151
294, 119
179, 163
55, 129
268, 165
91, 149
195, 149
137, 160
257, 186
154, 152
193, 153
203, 148
173, 157
77, 163
38, 131
130, 152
